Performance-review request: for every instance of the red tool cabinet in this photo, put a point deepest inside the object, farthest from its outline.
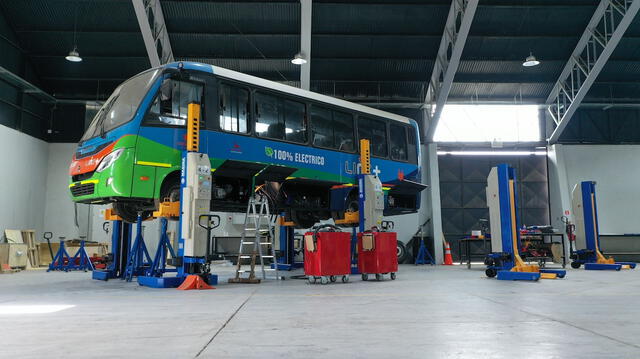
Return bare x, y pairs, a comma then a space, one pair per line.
327, 255
377, 254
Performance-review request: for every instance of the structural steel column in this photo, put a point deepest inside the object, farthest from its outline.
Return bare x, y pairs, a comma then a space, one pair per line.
154, 31
305, 42
603, 33
445, 67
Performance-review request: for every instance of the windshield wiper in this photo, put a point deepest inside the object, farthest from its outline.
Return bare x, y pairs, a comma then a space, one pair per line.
100, 124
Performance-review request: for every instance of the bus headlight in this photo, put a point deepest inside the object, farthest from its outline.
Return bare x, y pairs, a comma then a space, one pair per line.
109, 159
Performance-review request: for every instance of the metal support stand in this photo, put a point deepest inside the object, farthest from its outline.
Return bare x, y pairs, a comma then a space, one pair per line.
62, 256
82, 257
287, 258
139, 259
120, 245
423, 253
159, 264
354, 249
58, 261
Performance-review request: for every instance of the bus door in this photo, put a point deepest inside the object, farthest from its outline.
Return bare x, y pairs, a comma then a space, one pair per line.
163, 132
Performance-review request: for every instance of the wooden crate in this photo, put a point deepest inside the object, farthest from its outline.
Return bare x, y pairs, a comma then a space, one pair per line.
29, 238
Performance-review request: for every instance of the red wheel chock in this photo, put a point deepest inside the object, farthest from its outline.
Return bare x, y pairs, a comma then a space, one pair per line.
194, 282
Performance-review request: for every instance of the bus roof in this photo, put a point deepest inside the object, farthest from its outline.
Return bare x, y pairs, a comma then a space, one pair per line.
239, 76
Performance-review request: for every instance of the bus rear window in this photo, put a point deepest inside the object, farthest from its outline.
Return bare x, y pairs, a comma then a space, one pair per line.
376, 132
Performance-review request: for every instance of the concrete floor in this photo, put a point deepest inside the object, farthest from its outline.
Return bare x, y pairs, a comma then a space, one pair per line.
428, 312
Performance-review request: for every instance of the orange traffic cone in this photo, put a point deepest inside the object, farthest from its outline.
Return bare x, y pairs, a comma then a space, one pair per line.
448, 260
194, 282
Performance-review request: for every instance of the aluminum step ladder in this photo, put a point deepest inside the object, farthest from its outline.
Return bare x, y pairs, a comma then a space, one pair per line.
258, 232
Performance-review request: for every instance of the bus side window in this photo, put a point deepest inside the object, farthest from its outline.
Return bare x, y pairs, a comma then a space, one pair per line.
294, 121
321, 127
171, 104
376, 132
234, 107
343, 131
398, 140
269, 119
280, 119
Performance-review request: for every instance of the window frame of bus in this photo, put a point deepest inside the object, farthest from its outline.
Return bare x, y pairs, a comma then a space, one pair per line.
220, 81
414, 156
379, 119
332, 109
146, 121
283, 96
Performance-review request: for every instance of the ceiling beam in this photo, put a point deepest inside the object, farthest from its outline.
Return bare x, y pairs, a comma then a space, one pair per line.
603, 33
25, 86
154, 31
454, 37
305, 42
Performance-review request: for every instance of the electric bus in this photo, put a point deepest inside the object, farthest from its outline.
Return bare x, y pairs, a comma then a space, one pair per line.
299, 148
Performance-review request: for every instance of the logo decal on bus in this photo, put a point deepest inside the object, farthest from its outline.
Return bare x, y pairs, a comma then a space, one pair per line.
283, 155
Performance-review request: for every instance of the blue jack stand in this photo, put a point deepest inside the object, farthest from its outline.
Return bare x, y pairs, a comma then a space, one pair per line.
139, 259
588, 233
423, 253
505, 262
57, 263
154, 275
120, 245
81, 256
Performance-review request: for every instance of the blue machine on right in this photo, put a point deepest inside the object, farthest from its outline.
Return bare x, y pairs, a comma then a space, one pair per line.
504, 261
585, 215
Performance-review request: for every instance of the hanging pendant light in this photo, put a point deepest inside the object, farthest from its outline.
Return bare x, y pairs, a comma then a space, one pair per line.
74, 55
299, 59
530, 61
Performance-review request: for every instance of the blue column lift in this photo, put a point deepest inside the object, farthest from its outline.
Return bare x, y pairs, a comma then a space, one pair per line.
505, 261
120, 246
587, 232
130, 261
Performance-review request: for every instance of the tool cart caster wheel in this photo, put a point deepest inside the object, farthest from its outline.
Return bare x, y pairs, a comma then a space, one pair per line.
575, 265
324, 280
491, 272
332, 278
393, 276
311, 279
365, 277
345, 278
378, 276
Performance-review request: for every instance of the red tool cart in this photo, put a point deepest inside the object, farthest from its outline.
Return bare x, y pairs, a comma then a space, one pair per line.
377, 254
327, 254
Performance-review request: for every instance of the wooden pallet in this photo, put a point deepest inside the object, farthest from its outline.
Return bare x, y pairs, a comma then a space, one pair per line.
29, 238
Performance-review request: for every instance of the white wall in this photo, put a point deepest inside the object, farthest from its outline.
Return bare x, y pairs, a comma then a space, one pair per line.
615, 168
22, 186
59, 209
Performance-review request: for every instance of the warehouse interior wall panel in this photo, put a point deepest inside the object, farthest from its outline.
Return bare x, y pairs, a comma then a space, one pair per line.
23, 182
463, 181
615, 125
616, 169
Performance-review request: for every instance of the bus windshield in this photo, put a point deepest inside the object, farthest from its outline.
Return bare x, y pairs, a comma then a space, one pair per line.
121, 105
